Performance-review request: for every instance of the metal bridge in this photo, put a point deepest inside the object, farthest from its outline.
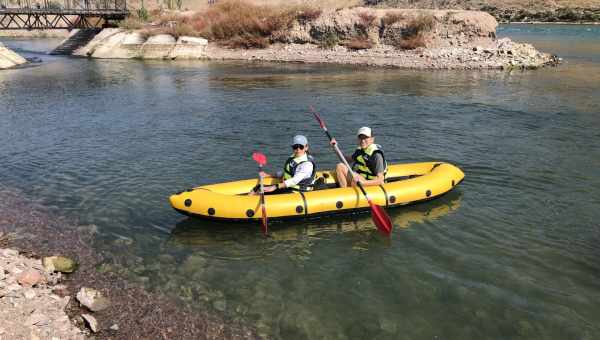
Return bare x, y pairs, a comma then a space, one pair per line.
65, 14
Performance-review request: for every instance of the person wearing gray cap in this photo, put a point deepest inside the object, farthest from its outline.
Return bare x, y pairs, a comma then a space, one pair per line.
298, 172
369, 162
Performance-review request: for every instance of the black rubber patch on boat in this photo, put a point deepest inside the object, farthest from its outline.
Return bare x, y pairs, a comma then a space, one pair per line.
249, 212
211, 211
339, 204
187, 202
428, 193
299, 209
305, 205
436, 165
452, 182
392, 199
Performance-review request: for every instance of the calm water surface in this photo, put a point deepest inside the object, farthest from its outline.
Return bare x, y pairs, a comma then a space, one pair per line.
512, 253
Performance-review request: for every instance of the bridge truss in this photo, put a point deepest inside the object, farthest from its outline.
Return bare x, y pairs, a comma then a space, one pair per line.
70, 14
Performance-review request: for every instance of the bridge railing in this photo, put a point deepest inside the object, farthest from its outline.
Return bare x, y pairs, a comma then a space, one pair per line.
64, 5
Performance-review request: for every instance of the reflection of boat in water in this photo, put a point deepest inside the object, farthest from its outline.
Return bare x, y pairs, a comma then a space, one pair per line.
193, 231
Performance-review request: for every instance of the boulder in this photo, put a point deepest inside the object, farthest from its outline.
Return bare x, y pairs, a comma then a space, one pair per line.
192, 41
161, 39
59, 264
189, 48
8, 58
133, 38
92, 299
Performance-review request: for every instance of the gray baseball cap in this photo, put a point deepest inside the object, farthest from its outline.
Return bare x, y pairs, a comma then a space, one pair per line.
299, 139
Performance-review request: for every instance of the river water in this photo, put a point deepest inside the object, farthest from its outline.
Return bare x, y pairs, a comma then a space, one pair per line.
511, 253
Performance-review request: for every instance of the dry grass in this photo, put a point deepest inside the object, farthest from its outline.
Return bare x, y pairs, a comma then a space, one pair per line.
236, 23
421, 24
391, 18
366, 19
358, 43
306, 13
412, 42
132, 23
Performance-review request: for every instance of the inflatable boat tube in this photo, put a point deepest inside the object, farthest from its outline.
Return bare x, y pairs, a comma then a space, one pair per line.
405, 184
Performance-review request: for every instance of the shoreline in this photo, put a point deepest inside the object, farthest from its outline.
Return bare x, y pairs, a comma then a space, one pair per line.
137, 313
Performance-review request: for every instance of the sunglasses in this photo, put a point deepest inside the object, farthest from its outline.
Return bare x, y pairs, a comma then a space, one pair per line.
362, 137
298, 146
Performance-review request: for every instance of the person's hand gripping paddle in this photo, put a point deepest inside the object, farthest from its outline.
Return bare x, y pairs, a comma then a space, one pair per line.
261, 160
380, 217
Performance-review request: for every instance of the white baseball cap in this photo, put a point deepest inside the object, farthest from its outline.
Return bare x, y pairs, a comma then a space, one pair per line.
299, 139
364, 131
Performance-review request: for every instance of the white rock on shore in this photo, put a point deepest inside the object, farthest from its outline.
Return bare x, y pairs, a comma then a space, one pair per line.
114, 43
30, 310
9, 58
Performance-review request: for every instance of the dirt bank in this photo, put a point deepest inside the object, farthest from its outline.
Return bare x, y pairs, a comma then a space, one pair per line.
573, 11
417, 39
137, 313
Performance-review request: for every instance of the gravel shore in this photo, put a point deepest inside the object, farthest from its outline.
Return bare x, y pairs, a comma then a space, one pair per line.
37, 306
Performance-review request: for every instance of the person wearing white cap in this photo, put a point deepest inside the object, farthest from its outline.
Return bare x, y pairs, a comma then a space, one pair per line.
369, 164
298, 172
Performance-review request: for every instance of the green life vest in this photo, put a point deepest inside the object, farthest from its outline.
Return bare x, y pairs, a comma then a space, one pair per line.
289, 170
364, 162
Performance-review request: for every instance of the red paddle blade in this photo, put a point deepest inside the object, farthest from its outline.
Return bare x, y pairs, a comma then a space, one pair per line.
260, 158
317, 116
381, 219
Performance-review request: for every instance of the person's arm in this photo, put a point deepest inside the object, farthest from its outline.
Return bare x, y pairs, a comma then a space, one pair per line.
348, 158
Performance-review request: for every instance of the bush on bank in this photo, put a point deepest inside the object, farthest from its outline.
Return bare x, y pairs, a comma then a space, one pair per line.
241, 24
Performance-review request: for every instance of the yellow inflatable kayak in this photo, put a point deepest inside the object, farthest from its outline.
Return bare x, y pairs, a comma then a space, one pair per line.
405, 184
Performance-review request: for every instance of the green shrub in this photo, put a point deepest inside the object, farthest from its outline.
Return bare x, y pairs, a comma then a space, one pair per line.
329, 40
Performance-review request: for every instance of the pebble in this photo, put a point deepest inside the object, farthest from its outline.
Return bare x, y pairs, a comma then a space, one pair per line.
31, 277
29, 294
91, 322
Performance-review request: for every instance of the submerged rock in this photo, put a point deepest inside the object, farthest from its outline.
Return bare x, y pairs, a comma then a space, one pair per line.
91, 322
92, 299
59, 264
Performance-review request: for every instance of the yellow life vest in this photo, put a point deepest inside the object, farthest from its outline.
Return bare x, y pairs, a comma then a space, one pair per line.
364, 162
289, 169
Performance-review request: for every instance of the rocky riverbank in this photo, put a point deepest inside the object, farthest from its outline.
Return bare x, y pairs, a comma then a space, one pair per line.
417, 39
31, 306
35, 295
9, 58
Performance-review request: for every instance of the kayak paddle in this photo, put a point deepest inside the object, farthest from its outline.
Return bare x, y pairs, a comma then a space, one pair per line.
380, 217
261, 159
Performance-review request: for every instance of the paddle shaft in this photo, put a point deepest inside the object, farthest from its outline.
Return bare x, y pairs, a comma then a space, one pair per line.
343, 159
262, 200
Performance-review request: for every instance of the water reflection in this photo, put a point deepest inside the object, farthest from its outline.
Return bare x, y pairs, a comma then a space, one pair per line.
193, 232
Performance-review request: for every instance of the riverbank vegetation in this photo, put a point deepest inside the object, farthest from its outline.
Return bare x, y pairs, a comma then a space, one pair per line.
242, 24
